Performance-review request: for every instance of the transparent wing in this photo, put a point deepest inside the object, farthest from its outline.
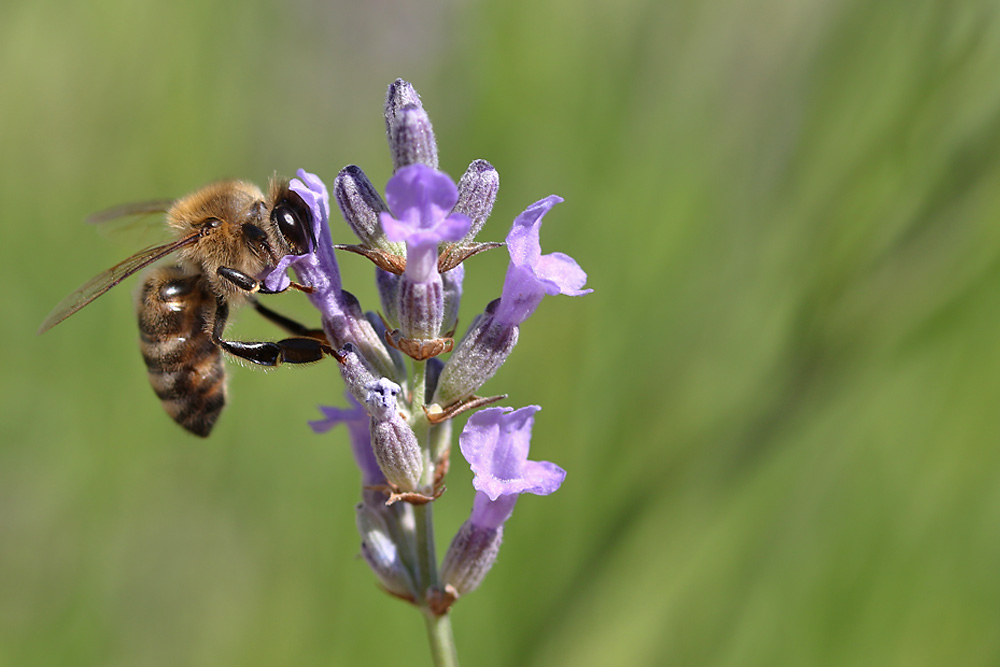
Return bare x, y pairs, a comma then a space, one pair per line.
133, 209
134, 225
105, 280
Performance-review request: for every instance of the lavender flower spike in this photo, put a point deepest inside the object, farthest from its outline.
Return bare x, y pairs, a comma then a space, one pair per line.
530, 274
495, 442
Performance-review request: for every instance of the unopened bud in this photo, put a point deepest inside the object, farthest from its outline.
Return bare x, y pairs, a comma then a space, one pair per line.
388, 292
381, 552
411, 137
477, 192
482, 352
452, 283
351, 326
360, 205
393, 441
470, 557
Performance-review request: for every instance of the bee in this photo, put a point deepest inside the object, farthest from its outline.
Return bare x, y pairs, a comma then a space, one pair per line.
226, 236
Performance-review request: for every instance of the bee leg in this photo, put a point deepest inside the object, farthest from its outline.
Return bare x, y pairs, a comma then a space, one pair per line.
248, 283
290, 350
288, 324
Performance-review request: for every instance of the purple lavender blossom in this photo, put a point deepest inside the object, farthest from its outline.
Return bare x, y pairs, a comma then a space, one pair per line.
493, 335
425, 225
530, 274
495, 442
421, 200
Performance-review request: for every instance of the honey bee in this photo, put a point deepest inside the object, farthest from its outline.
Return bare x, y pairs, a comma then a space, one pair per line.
226, 236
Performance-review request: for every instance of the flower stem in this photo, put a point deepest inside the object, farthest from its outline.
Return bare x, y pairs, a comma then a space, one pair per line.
426, 558
438, 627
441, 640
419, 374
424, 517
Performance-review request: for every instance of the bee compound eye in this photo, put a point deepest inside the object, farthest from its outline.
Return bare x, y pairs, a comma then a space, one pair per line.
295, 226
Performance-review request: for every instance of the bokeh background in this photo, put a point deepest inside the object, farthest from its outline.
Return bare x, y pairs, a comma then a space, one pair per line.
778, 410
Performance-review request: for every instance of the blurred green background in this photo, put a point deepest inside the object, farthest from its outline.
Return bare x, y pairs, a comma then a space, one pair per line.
777, 410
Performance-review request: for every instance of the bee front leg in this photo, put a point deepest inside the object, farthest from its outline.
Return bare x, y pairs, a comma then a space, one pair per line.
248, 283
290, 350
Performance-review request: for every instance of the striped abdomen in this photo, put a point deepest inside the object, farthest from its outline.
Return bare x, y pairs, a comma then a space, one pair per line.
185, 367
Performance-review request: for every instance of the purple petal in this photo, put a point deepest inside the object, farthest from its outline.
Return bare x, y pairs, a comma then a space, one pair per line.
561, 274
418, 187
523, 242
491, 514
530, 274
421, 200
522, 292
495, 442
334, 416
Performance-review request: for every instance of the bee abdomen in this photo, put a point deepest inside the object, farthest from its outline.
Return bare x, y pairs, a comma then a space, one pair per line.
185, 367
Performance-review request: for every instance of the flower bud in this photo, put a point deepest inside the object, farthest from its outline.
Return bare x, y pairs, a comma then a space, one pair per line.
477, 358
408, 128
397, 357
357, 373
388, 292
350, 325
434, 368
399, 94
452, 283
382, 553
393, 441
470, 556
477, 192
360, 205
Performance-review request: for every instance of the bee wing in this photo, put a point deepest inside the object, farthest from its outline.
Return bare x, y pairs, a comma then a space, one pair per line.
105, 280
128, 210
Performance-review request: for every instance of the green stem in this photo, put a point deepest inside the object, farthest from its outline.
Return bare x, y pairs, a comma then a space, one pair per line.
419, 374
426, 558
438, 627
441, 640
